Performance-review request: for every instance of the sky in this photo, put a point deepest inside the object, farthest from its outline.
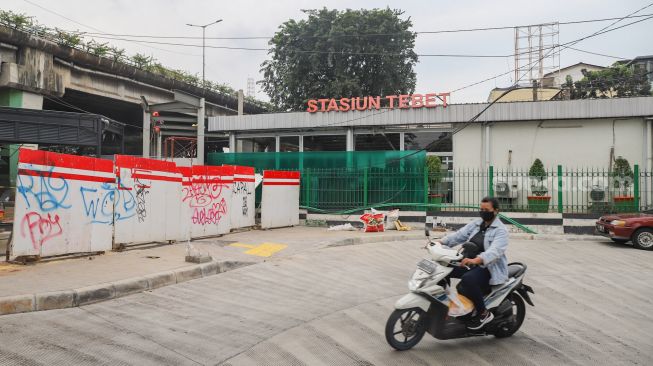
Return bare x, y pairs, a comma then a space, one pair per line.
262, 18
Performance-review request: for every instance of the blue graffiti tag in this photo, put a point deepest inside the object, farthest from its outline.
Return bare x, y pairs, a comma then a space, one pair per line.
47, 192
104, 205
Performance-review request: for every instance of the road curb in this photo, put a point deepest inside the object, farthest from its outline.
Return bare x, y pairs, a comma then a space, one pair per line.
106, 291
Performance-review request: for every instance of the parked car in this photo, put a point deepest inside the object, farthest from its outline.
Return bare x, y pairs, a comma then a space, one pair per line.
622, 228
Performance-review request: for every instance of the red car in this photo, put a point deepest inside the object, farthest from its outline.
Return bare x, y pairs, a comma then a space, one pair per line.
622, 228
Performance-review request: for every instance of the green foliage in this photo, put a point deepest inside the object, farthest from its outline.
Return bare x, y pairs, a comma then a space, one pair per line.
117, 54
537, 170
537, 174
339, 63
68, 39
75, 39
622, 173
16, 20
616, 81
434, 166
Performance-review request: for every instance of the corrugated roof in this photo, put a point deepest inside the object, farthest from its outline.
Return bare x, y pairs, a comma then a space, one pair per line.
454, 113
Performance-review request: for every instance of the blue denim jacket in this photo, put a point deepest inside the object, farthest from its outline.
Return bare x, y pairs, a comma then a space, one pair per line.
495, 243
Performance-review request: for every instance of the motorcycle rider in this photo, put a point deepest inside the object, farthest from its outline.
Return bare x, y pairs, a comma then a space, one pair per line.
490, 267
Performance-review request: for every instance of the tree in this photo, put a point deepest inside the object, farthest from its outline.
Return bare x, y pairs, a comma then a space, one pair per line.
537, 173
616, 81
623, 174
340, 54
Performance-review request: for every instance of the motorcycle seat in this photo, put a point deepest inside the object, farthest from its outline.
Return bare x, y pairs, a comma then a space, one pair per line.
516, 269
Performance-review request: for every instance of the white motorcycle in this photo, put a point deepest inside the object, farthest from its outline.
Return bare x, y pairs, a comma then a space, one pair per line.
426, 307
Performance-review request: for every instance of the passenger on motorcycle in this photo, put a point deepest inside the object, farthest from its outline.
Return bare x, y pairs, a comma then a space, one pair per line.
490, 267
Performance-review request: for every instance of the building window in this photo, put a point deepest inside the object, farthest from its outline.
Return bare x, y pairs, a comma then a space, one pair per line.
289, 143
325, 143
256, 144
377, 142
420, 140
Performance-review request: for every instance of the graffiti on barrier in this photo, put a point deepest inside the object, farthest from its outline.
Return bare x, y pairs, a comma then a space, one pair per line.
202, 194
107, 203
40, 228
241, 188
45, 192
141, 209
211, 214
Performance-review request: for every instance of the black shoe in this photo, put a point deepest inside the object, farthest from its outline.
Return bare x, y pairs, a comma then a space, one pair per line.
479, 321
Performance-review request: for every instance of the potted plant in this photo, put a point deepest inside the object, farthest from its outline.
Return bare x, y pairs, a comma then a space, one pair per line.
622, 177
434, 166
538, 201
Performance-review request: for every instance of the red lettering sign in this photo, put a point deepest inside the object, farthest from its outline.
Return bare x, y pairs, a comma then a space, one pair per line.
403, 101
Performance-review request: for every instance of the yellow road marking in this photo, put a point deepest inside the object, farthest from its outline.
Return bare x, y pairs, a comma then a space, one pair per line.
261, 250
266, 249
241, 245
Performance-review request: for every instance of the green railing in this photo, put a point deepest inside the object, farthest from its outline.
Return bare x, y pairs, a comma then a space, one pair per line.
561, 190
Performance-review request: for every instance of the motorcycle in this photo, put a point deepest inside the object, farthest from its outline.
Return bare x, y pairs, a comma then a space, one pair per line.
426, 307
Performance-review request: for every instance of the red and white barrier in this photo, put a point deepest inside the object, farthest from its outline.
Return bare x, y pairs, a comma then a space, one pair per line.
280, 199
64, 204
209, 199
69, 204
155, 187
242, 202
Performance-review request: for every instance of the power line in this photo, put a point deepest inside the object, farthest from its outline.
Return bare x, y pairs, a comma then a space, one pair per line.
100, 30
363, 34
445, 55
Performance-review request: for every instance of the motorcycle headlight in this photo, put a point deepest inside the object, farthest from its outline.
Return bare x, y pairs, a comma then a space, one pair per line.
414, 284
618, 223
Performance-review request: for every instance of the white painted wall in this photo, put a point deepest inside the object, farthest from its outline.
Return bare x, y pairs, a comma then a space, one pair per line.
571, 143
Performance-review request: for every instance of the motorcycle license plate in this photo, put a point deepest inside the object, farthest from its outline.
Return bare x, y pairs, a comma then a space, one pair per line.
426, 266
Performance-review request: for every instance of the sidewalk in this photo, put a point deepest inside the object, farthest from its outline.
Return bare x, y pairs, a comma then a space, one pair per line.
70, 282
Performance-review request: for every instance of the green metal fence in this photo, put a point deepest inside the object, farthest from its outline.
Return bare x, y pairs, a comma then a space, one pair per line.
560, 190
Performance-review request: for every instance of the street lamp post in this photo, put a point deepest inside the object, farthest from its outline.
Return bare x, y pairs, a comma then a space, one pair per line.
203, 45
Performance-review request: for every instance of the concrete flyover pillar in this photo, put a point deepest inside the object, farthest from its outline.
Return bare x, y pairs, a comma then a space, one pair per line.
200, 133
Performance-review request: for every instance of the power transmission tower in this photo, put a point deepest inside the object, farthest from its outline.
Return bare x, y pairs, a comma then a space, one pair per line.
537, 51
251, 87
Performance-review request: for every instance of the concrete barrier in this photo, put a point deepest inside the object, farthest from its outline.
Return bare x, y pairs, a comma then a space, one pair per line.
243, 198
156, 189
64, 204
280, 199
208, 197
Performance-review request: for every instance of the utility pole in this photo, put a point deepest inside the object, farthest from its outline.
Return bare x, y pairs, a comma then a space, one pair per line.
203, 46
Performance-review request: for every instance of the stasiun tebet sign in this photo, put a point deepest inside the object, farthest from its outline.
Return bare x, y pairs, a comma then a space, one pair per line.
403, 101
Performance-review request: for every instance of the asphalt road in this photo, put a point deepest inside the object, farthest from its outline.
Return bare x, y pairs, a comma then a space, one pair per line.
594, 303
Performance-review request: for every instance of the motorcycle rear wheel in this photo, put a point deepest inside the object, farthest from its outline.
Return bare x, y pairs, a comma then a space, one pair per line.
519, 313
405, 328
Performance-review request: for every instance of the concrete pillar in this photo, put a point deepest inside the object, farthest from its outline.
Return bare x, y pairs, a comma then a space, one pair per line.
241, 102
158, 145
232, 142
301, 143
15, 98
277, 143
350, 139
402, 139
146, 133
200, 133
486, 144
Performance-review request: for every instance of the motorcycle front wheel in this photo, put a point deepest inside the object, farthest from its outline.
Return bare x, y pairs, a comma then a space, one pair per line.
405, 328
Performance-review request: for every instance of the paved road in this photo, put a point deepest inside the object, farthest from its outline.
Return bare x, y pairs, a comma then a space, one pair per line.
328, 307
